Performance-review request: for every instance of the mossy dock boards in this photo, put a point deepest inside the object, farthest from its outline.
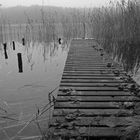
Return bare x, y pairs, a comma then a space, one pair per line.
90, 102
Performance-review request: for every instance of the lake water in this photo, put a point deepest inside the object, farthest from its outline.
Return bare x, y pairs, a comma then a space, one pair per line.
21, 94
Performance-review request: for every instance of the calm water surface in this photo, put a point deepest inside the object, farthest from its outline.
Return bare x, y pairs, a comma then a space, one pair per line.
22, 93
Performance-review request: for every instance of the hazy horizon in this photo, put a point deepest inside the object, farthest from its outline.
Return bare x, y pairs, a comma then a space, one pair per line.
58, 3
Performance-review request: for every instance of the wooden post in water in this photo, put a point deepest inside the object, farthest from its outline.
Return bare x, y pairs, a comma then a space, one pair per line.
19, 55
59, 40
23, 41
13, 45
84, 30
5, 50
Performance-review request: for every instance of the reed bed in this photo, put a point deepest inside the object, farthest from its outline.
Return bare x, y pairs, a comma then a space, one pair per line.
66, 23
117, 28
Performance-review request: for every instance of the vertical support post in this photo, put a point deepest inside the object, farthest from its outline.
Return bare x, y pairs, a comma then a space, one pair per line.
59, 40
13, 45
5, 50
23, 41
19, 55
84, 30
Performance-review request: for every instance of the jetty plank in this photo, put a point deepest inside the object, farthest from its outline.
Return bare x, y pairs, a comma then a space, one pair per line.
93, 112
90, 103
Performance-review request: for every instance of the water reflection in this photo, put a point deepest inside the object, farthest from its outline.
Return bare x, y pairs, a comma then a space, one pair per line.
40, 66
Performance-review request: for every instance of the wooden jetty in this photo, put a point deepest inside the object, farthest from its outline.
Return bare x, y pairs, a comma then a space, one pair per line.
93, 101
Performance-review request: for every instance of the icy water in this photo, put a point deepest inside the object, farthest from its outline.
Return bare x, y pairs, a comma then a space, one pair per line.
23, 93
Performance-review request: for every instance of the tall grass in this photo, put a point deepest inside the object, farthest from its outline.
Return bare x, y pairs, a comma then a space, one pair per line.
117, 28
33, 31
53, 23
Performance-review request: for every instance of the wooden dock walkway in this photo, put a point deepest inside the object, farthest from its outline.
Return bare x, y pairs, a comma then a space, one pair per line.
92, 101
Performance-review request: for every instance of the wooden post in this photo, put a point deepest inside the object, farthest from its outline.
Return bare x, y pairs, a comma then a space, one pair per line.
5, 50
84, 30
23, 41
19, 55
59, 40
13, 45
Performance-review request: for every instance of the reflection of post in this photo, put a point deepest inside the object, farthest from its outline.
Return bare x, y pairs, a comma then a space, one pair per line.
23, 41
19, 55
5, 51
13, 45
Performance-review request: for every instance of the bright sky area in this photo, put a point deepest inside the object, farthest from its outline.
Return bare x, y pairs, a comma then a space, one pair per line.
64, 3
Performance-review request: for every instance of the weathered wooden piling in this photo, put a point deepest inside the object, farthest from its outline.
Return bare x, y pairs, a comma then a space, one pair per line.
20, 65
93, 101
5, 50
13, 45
23, 41
59, 40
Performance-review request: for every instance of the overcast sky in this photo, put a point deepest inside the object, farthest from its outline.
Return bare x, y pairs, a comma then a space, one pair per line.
67, 3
